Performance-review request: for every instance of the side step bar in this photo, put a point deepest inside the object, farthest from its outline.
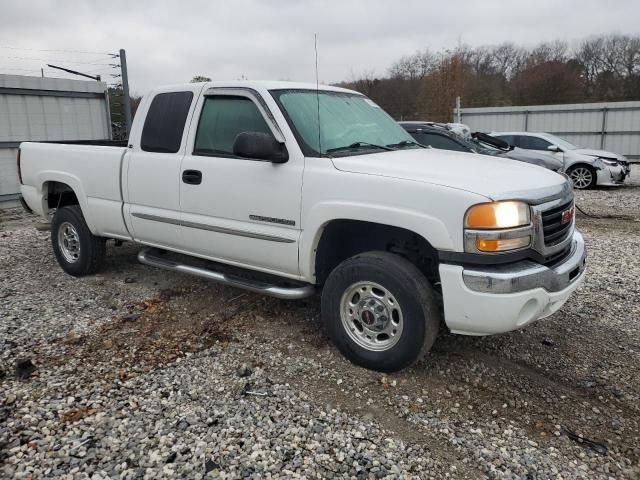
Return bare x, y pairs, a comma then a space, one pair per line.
147, 257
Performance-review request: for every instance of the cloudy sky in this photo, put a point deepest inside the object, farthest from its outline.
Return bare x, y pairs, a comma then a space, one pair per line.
171, 41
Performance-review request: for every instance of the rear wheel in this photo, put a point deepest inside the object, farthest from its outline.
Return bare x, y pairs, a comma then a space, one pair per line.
380, 311
77, 250
582, 176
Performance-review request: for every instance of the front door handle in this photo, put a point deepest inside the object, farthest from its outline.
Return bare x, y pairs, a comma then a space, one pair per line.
192, 177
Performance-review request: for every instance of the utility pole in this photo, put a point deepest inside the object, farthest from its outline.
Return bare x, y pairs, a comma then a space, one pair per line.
458, 115
125, 91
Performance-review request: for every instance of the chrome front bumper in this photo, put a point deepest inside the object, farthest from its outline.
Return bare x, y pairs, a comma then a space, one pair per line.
527, 275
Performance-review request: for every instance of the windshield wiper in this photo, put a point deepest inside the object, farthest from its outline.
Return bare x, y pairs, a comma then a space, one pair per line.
357, 145
405, 143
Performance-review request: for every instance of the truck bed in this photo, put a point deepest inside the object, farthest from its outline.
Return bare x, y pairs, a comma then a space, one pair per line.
91, 168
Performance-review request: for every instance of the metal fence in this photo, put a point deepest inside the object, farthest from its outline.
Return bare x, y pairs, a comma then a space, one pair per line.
37, 109
613, 126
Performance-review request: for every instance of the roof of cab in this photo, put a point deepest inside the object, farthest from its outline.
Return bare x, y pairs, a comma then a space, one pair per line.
259, 85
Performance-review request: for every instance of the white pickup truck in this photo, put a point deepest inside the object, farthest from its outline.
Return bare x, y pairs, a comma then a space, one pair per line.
285, 188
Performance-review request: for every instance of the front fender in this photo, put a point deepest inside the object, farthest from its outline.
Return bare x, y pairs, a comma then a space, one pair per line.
429, 227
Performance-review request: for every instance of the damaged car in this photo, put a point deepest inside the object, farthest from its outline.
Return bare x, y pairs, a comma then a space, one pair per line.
586, 167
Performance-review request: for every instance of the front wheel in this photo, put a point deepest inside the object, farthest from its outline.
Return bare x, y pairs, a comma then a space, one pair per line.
582, 176
77, 250
380, 311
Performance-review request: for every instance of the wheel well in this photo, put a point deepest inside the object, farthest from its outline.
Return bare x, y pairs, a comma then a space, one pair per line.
581, 164
342, 239
60, 195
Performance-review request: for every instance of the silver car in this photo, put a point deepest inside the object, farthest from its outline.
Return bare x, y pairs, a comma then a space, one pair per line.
457, 137
586, 167
515, 153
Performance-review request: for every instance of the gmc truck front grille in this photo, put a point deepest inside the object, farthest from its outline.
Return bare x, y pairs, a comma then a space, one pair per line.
556, 228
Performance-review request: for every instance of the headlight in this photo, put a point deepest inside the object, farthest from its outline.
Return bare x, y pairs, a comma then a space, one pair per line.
497, 215
498, 227
611, 163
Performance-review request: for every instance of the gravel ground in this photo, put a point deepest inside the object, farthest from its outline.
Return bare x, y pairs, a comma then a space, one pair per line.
139, 373
614, 202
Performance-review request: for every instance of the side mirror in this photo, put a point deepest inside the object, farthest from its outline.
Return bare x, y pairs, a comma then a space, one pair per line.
554, 148
260, 146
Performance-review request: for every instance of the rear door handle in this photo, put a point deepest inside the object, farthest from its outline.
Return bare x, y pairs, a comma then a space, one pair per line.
192, 177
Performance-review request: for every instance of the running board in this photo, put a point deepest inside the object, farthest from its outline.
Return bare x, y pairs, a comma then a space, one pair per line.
147, 257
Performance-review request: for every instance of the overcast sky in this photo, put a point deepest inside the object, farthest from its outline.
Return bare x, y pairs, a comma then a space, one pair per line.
171, 41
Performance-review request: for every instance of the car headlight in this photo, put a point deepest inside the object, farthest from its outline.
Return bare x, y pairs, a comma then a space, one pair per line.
611, 163
497, 227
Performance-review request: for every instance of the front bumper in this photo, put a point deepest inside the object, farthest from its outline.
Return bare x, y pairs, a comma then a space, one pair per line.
499, 298
612, 175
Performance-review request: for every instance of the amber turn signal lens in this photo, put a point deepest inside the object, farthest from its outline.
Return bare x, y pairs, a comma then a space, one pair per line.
502, 245
481, 216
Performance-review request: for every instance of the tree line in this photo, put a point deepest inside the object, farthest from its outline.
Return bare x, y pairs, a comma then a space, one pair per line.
424, 85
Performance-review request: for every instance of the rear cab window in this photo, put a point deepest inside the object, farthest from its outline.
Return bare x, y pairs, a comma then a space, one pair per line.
165, 122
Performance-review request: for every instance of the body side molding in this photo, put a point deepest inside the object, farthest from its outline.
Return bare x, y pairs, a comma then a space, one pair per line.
202, 226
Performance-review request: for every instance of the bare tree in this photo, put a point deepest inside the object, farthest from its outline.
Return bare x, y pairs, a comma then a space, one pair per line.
424, 85
549, 82
415, 66
590, 53
556, 51
611, 66
509, 59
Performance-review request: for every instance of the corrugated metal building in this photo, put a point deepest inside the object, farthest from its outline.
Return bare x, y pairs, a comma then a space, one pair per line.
35, 108
613, 126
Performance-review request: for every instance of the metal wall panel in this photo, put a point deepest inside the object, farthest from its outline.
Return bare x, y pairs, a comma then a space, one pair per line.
613, 126
8, 173
24, 117
38, 109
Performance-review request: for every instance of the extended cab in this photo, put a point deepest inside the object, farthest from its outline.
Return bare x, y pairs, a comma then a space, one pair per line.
286, 189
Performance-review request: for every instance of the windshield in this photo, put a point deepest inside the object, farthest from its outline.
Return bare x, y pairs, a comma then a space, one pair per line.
479, 147
487, 148
349, 123
560, 142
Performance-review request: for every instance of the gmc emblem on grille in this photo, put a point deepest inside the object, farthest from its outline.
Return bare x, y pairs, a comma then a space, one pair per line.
567, 216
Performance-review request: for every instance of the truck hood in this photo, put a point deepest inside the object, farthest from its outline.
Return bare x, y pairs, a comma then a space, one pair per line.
493, 177
600, 153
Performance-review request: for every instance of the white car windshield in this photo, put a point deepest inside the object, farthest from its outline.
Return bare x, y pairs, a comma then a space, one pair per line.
560, 142
350, 124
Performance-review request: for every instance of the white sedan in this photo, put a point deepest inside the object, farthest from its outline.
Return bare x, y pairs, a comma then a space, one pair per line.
586, 167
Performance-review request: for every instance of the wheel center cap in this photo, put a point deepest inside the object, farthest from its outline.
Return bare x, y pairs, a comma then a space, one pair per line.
373, 314
368, 317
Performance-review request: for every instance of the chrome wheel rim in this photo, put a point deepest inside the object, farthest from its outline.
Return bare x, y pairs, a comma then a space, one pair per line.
371, 316
69, 242
581, 177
